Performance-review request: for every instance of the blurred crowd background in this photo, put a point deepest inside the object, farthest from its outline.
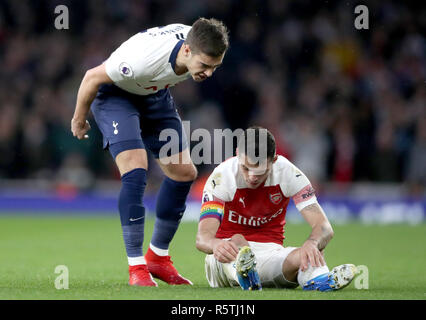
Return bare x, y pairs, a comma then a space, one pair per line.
345, 105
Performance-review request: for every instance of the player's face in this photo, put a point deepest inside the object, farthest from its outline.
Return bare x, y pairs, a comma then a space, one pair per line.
202, 66
254, 175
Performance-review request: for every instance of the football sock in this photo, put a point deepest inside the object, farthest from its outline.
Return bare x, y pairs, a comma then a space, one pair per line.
304, 276
158, 251
136, 261
132, 213
169, 211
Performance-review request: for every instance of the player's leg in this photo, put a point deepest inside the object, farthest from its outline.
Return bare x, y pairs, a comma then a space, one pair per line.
241, 272
244, 268
132, 165
271, 258
118, 120
219, 274
171, 199
179, 172
318, 278
291, 268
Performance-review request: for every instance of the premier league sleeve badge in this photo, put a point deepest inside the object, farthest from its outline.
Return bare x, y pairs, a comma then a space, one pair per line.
125, 70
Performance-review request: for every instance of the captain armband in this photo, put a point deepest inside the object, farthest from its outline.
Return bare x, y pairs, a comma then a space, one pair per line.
211, 209
305, 197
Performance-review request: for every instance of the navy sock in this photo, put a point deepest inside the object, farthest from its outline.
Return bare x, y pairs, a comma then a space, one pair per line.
170, 208
132, 211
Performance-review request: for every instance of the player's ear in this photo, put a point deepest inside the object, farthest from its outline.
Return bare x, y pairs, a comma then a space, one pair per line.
236, 151
186, 50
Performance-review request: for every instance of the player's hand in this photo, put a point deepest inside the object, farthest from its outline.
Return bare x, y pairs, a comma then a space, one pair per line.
224, 251
79, 128
309, 254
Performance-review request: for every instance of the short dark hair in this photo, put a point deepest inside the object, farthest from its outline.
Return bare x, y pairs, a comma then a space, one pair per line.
209, 36
252, 136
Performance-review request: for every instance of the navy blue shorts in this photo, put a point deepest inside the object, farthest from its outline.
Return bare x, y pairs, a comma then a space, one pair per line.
129, 121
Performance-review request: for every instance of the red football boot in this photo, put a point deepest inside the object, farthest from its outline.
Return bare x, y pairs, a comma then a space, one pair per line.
161, 267
140, 276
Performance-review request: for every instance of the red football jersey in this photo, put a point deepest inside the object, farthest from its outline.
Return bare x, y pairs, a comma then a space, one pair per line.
258, 214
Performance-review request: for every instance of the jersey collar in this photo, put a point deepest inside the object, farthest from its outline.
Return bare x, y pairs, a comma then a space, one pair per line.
173, 55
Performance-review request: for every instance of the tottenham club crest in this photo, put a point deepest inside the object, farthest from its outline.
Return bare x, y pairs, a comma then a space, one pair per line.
275, 198
125, 70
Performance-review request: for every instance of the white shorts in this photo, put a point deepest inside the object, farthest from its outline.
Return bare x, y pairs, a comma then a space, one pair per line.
270, 258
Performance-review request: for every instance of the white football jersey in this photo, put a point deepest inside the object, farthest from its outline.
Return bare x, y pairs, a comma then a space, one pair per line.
144, 63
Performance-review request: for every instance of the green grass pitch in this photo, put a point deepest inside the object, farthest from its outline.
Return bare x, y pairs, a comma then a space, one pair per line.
92, 249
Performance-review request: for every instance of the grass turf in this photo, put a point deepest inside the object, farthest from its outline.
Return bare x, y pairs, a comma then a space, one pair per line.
93, 250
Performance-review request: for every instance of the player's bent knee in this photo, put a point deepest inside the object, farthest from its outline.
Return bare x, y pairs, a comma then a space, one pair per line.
292, 262
192, 173
129, 160
291, 265
184, 173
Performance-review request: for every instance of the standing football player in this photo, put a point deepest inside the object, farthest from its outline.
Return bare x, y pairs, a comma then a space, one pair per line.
242, 223
129, 97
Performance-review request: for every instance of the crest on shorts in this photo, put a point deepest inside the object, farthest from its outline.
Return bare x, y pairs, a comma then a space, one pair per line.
275, 198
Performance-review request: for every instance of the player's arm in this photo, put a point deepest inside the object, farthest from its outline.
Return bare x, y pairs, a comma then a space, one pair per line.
303, 195
210, 219
322, 232
86, 94
223, 250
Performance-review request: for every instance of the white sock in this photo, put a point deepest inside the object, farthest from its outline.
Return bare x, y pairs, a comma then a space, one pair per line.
134, 261
158, 251
304, 276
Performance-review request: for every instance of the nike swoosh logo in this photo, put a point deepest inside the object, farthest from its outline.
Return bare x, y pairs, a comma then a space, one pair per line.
131, 219
298, 175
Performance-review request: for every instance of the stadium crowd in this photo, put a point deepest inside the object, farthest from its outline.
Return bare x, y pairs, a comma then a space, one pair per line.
344, 104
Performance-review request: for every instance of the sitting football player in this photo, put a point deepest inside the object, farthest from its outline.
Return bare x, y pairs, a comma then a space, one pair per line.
242, 223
